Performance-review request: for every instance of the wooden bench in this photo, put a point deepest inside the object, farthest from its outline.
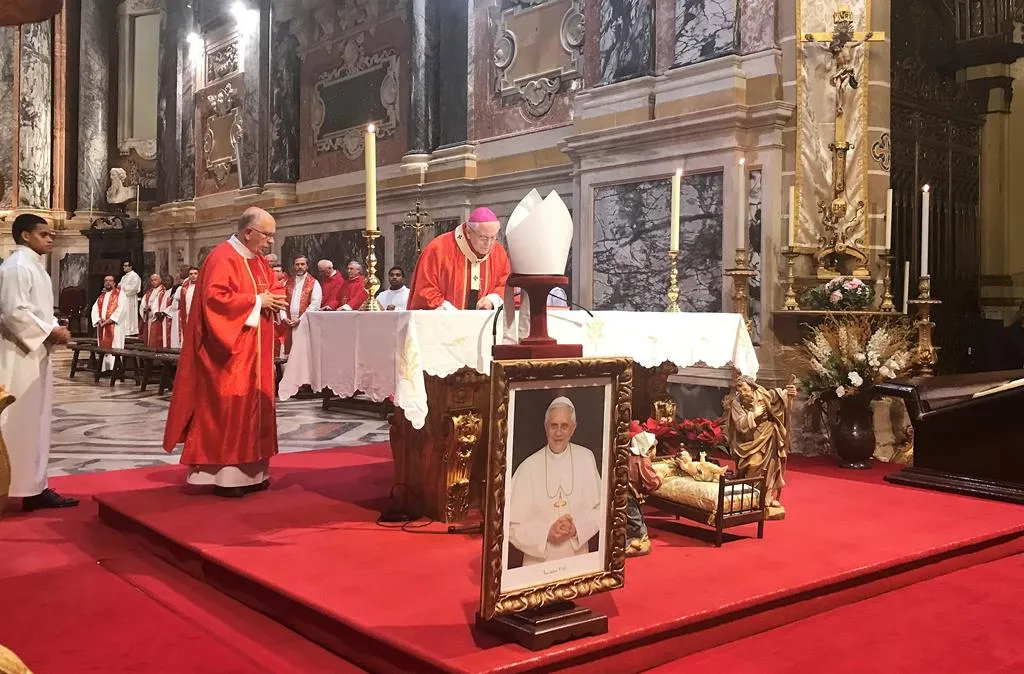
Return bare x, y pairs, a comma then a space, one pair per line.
77, 347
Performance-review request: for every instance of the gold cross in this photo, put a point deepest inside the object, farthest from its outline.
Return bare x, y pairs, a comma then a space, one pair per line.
417, 220
560, 501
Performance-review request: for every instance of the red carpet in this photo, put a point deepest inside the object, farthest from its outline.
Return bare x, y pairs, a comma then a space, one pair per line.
77, 596
308, 553
967, 621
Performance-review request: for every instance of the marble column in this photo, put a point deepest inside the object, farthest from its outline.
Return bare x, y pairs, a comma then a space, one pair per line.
35, 130
422, 66
452, 118
284, 104
7, 115
94, 67
168, 127
187, 113
255, 50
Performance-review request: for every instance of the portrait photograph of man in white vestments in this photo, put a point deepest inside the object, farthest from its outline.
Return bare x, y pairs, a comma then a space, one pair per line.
29, 333
559, 448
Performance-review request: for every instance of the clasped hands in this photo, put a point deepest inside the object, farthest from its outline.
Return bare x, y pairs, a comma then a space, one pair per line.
271, 302
562, 530
59, 335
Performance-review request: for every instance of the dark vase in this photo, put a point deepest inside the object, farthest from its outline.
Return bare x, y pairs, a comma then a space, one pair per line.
853, 432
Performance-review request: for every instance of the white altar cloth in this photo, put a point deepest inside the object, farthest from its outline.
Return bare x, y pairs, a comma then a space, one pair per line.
385, 353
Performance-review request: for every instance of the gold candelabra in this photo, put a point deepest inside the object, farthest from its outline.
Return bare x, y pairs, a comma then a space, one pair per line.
673, 282
741, 275
925, 356
372, 281
887, 304
791, 255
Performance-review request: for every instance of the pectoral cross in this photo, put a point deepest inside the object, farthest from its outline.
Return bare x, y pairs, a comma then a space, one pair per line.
560, 501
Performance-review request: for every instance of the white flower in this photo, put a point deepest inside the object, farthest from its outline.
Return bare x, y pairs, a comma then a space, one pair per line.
840, 391
836, 297
886, 372
860, 357
855, 378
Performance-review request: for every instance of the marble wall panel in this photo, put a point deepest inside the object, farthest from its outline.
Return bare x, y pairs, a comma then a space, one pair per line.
249, 153
631, 236
162, 262
284, 105
754, 194
705, 29
148, 267
405, 242
94, 69
7, 109
35, 128
816, 121
74, 270
626, 42
205, 180
390, 34
757, 25
338, 247
203, 252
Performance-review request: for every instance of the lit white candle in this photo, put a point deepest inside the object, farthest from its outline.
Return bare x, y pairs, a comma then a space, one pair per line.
906, 287
925, 207
741, 188
888, 220
92, 191
677, 179
370, 154
792, 216
138, 196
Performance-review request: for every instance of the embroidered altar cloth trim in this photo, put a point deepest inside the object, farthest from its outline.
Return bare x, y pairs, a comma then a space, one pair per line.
388, 353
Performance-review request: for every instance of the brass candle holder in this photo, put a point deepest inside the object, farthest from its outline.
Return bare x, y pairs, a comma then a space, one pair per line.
887, 304
741, 274
925, 355
673, 282
372, 281
791, 255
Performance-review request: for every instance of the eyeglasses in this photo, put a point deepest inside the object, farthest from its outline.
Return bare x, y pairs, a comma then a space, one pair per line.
269, 235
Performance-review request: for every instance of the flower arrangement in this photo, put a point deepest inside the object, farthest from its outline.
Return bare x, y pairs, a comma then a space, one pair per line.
845, 293
847, 356
702, 435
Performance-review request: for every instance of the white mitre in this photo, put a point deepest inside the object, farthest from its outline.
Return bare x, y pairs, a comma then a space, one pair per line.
539, 234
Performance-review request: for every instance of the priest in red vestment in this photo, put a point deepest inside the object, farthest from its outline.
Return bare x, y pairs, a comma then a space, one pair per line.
331, 280
463, 269
222, 407
353, 290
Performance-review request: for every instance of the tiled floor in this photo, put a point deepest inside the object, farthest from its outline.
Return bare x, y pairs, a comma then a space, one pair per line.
98, 428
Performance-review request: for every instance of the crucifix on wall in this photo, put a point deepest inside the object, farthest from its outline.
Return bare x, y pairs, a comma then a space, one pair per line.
843, 233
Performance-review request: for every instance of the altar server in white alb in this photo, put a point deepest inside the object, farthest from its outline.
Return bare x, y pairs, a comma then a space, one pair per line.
28, 334
396, 297
131, 285
555, 499
108, 314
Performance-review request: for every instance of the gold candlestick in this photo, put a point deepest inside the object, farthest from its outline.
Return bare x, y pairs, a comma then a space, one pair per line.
741, 274
791, 255
887, 304
372, 282
673, 282
925, 355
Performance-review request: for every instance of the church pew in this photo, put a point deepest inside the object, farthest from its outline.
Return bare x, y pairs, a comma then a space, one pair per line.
77, 347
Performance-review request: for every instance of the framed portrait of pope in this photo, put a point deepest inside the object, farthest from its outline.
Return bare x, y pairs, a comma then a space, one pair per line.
554, 506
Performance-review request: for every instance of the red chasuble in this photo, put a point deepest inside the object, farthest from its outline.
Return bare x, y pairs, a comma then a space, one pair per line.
353, 293
183, 310
105, 335
445, 271
331, 289
222, 406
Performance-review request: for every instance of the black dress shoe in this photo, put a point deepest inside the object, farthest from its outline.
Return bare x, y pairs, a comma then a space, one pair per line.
261, 486
47, 499
230, 492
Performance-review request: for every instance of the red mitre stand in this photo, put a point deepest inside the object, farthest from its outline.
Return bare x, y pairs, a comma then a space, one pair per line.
538, 344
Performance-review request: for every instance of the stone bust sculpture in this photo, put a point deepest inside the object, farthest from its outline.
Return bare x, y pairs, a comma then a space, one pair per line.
118, 194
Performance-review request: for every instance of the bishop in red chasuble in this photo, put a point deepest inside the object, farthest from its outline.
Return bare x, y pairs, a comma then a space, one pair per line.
222, 407
463, 269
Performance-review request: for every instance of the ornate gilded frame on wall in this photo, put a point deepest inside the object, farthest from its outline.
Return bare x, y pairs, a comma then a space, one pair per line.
618, 372
223, 132
356, 69
531, 75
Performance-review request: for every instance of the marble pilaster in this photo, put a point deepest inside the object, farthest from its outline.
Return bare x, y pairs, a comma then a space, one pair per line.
7, 115
421, 68
35, 130
253, 153
186, 116
757, 25
168, 119
626, 42
284, 105
453, 76
94, 68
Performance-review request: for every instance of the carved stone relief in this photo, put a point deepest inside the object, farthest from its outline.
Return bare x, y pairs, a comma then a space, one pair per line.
363, 89
221, 62
881, 151
223, 132
538, 52
327, 23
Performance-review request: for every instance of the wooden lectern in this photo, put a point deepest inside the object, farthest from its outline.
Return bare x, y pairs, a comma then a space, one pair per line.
963, 442
538, 344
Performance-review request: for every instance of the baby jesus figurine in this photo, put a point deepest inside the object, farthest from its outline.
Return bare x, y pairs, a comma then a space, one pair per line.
701, 470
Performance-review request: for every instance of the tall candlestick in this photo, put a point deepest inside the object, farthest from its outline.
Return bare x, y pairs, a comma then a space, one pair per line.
888, 220
741, 188
906, 286
673, 244
792, 216
91, 192
370, 153
138, 195
925, 204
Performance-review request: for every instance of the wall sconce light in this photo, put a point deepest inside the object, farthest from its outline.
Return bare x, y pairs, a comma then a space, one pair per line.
195, 46
248, 20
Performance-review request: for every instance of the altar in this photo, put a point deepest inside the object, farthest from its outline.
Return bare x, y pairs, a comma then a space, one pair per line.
436, 366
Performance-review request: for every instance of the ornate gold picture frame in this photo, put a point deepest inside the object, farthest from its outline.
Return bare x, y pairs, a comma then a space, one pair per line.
522, 393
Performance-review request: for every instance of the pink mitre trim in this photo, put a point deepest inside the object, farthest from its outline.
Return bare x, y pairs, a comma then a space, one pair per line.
482, 215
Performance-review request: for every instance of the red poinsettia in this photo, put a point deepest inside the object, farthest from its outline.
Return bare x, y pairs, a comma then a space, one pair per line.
701, 435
